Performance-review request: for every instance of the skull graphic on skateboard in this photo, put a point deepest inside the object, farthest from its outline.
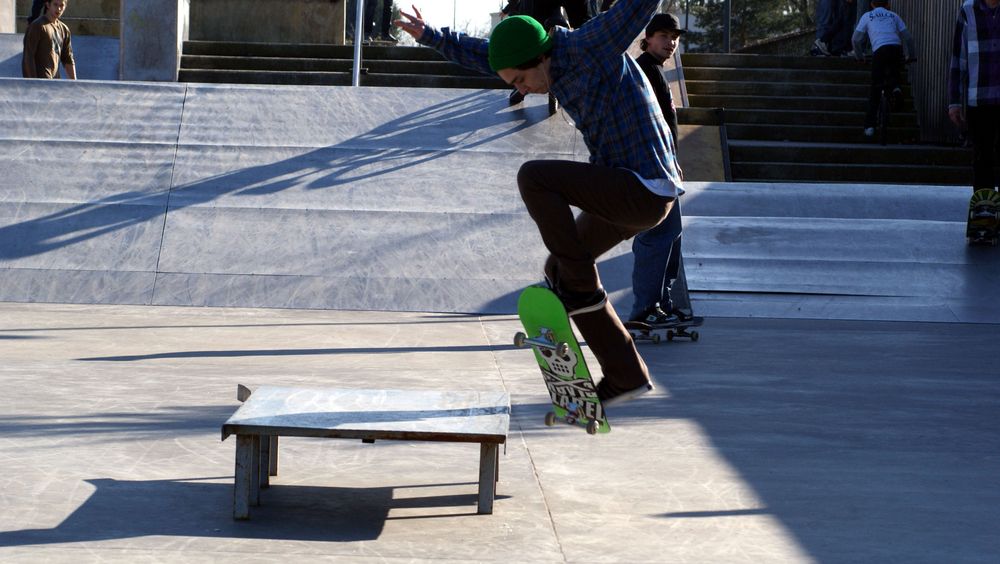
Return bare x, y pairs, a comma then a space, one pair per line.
983, 222
548, 332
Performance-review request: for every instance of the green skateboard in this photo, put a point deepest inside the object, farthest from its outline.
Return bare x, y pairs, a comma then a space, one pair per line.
547, 330
984, 218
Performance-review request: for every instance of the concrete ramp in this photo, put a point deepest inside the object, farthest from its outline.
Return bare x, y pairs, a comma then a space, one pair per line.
291, 197
404, 199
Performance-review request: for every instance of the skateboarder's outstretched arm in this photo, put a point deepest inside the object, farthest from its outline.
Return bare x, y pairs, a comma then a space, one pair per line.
470, 52
607, 35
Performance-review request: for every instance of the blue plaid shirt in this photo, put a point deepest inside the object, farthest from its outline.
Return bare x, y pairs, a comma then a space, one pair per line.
600, 87
975, 60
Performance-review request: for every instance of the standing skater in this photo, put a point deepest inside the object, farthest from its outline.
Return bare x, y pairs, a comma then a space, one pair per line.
659, 287
628, 186
974, 85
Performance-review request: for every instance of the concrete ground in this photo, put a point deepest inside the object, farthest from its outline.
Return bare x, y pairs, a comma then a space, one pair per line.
768, 440
842, 404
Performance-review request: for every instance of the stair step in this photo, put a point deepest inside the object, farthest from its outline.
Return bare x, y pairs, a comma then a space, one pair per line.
226, 76
813, 133
692, 60
783, 75
812, 118
284, 64
855, 153
817, 104
337, 79
308, 50
803, 89
845, 172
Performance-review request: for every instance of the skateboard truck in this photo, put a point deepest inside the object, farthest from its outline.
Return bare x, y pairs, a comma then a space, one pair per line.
546, 340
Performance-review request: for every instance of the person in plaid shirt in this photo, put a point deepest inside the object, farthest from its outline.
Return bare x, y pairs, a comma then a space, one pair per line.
628, 186
975, 81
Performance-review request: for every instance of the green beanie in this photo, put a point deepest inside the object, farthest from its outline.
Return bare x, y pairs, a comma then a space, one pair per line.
517, 40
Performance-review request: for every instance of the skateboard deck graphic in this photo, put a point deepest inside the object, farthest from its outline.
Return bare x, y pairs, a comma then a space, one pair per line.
641, 331
984, 218
571, 388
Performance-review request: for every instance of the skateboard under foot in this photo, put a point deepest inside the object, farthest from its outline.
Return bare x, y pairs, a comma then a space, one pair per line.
548, 332
642, 331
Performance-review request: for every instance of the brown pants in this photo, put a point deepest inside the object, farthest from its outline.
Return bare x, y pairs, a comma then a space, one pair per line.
614, 206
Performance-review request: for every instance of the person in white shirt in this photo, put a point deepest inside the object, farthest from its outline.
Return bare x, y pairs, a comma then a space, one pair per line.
886, 32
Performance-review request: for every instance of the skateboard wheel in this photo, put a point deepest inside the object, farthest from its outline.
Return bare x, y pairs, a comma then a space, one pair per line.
694, 335
592, 426
670, 334
655, 338
550, 419
562, 349
519, 338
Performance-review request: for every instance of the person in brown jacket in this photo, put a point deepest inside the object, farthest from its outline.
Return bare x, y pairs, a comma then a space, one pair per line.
47, 43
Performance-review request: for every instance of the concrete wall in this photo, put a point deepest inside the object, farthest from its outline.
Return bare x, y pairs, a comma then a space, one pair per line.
932, 23
96, 57
152, 36
84, 17
7, 24
269, 21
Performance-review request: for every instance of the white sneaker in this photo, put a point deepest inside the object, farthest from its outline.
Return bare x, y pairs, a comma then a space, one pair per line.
869, 132
822, 47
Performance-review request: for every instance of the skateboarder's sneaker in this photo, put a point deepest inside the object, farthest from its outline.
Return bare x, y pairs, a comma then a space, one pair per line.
582, 302
822, 47
610, 394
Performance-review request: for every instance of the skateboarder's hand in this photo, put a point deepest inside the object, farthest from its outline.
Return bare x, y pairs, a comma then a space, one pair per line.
957, 116
413, 24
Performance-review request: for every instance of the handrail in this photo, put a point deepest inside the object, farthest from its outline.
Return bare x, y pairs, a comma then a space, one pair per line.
356, 70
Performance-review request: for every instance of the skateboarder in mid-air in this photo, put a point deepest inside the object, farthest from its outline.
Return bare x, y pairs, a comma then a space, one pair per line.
628, 186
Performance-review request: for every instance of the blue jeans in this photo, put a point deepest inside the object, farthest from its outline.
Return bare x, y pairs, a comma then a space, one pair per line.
824, 17
658, 271
835, 20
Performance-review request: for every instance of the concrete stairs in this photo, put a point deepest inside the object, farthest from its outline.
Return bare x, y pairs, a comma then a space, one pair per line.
330, 65
801, 119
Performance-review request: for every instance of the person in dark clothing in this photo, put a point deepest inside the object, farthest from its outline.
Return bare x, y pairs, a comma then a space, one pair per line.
887, 34
659, 286
834, 25
371, 7
37, 7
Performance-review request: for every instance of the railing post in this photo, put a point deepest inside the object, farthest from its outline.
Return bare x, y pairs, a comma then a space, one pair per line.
727, 25
358, 38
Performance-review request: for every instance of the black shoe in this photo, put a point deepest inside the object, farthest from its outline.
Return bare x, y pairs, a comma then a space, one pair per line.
515, 98
897, 99
655, 316
610, 394
582, 302
681, 315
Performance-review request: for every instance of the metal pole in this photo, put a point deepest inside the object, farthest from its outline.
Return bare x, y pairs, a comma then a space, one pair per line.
358, 34
687, 22
727, 24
